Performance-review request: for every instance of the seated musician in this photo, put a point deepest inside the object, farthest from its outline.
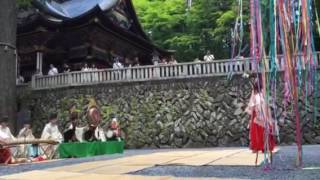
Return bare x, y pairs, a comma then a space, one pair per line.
27, 150
51, 132
73, 132
94, 132
6, 154
114, 130
5, 129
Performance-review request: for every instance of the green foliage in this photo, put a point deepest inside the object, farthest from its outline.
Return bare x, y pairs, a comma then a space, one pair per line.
206, 26
23, 3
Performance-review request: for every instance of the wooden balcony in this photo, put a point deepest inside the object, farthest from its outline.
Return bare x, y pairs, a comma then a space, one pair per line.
155, 72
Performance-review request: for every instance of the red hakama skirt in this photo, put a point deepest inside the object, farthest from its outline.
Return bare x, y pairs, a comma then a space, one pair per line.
5, 155
257, 136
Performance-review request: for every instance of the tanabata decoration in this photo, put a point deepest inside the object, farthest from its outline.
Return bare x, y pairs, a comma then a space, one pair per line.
282, 48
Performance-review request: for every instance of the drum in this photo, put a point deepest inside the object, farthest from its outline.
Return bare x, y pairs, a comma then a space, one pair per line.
94, 116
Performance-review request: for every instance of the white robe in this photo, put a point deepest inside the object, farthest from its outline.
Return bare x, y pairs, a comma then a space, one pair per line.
99, 134
52, 132
24, 151
79, 132
5, 134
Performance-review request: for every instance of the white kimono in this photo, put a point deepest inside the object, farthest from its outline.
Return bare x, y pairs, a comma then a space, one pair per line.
5, 134
79, 132
99, 134
25, 150
51, 132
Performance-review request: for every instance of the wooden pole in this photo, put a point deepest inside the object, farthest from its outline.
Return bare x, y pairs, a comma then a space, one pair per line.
8, 60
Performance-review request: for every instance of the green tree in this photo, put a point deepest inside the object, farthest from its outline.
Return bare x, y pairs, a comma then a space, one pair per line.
207, 25
23, 3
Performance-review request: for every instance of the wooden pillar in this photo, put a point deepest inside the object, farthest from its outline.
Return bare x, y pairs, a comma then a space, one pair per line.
39, 61
7, 61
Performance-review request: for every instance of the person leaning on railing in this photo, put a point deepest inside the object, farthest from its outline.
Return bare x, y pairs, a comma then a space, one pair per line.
53, 70
66, 68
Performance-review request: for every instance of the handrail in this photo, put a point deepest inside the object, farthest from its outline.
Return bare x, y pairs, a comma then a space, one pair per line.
151, 72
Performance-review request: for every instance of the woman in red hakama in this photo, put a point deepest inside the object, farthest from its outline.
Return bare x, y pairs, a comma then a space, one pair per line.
261, 124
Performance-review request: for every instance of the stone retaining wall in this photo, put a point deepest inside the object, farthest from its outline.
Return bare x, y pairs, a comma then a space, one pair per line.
196, 112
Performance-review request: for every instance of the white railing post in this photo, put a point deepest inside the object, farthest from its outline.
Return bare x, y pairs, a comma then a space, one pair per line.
130, 73
33, 82
157, 71
69, 78
185, 69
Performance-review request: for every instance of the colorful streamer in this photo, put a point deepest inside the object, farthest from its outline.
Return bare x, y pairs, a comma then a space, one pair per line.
287, 35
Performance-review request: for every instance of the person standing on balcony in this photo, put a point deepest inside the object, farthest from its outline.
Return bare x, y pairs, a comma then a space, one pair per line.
163, 61
85, 67
208, 57
173, 60
117, 66
84, 74
66, 68
53, 70
20, 79
197, 66
127, 62
95, 73
136, 61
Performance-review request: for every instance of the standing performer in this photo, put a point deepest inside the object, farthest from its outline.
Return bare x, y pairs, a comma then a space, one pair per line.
95, 132
261, 126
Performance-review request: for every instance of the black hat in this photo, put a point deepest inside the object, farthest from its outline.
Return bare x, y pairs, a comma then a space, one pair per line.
53, 116
5, 119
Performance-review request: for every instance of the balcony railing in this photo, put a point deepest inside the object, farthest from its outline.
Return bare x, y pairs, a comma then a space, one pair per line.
155, 72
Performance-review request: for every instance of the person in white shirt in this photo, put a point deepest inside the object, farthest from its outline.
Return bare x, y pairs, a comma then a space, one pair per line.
6, 154
85, 76
26, 150
53, 70
208, 57
6, 134
94, 75
85, 67
117, 65
20, 79
51, 132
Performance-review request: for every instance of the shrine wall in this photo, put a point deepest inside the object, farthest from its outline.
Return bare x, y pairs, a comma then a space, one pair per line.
193, 112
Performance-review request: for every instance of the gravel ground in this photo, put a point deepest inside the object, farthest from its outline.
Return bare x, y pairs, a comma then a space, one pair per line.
283, 168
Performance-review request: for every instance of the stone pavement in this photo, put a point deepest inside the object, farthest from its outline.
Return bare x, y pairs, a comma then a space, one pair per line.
140, 166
